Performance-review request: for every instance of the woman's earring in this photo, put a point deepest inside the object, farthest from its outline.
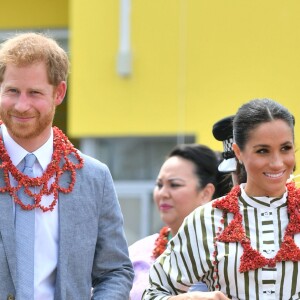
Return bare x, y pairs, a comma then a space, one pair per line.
240, 162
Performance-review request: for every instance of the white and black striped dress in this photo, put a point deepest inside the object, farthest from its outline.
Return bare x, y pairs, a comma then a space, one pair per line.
190, 254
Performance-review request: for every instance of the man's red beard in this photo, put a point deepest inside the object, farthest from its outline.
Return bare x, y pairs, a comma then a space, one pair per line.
27, 130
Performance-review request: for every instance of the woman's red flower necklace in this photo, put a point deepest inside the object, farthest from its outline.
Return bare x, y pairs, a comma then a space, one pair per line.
234, 232
161, 242
63, 150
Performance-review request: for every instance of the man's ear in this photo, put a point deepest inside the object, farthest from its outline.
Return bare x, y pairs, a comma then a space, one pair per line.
60, 92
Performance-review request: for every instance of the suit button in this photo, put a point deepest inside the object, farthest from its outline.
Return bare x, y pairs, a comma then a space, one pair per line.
10, 297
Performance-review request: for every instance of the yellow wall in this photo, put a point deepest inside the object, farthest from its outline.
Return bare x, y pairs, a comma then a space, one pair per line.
194, 62
22, 14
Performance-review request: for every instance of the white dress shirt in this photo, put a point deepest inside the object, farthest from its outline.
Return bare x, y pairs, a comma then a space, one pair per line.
46, 224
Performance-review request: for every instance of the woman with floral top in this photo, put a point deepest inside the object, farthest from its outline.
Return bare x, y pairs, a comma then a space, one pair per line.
186, 180
244, 245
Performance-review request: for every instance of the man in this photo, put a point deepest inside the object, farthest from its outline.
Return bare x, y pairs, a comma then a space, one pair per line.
76, 223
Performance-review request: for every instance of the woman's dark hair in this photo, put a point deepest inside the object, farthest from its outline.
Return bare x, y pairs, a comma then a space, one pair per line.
253, 114
256, 112
205, 160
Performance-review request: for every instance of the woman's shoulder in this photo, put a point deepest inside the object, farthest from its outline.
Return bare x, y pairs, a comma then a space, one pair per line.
142, 247
205, 212
208, 206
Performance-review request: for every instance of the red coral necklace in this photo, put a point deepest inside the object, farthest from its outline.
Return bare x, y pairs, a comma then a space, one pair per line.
161, 242
62, 151
235, 232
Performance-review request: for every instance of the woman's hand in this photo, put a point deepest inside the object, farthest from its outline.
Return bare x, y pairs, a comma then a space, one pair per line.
200, 296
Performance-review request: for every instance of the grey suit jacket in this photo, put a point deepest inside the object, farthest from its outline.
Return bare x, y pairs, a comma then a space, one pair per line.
92, 246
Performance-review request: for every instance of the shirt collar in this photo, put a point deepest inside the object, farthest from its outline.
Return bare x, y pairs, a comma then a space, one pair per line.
263, 202
17, 153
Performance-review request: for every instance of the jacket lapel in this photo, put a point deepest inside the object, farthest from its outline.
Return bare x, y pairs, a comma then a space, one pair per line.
67, 219
7, 229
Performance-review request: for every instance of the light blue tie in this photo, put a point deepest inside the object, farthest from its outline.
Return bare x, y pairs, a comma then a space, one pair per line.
25, 229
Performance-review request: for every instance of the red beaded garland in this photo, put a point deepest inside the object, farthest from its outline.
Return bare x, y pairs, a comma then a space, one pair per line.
235, 232
62, 148
161, 242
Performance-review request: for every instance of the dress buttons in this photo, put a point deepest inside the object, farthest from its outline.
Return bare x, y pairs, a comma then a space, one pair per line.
269, 292
10, 297
266, 214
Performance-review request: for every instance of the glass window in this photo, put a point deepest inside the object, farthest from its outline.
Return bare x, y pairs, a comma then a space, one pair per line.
134, 163
132, 158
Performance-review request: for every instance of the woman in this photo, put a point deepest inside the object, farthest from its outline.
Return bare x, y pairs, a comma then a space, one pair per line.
186, 180
249, 245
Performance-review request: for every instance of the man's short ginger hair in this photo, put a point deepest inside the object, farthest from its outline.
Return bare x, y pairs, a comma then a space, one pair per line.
29, 48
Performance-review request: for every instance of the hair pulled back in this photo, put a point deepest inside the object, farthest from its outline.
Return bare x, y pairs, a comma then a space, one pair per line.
204, 159
253, 114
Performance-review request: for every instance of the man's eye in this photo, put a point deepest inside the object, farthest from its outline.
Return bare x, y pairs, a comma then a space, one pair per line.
287, 148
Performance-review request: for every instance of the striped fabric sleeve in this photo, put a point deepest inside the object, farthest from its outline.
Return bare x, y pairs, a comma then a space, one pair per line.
186, 259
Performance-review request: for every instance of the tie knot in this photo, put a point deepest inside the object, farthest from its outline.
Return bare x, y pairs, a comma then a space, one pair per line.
29, 160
